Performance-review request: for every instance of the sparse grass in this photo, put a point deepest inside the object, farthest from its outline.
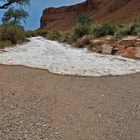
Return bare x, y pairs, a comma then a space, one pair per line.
11, 35
5, 44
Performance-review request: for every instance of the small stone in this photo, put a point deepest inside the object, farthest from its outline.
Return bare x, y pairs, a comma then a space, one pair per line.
100, 115
57, 133
90, 107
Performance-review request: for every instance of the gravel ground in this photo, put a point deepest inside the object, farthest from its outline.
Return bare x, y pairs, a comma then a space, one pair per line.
37, 105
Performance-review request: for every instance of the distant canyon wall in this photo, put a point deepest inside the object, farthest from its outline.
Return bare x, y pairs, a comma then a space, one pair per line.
63, 18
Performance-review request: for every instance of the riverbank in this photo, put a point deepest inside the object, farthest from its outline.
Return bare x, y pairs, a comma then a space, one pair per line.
35, 104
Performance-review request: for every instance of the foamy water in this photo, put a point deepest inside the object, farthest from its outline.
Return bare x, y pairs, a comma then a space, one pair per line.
62, 59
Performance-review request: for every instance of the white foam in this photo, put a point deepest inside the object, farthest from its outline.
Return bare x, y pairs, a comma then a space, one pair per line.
62, 59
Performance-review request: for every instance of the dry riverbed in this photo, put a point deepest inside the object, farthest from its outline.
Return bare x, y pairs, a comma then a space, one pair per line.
37, 105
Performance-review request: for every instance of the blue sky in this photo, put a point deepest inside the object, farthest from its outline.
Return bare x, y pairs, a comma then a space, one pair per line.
37, 6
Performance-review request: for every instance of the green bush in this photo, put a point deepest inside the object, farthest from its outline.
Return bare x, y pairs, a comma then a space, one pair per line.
54, 35
136, 27
41, 32
83, 25
123, 31
13, 34
38, 32
137, 31
81, 30
118, 36
98, 30
30, 33
104, 29
4, 44
68, 37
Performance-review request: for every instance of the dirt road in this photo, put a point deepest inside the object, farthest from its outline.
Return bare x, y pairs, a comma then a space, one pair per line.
37, 105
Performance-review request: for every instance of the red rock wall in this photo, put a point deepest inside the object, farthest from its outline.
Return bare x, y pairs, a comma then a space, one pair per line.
64, 17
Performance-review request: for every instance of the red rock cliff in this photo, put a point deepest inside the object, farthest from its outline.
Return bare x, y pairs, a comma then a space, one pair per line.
100, 10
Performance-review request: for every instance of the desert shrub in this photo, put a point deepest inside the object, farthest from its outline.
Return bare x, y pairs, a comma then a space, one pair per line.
13, 34
81, 30
38, 32
135, 27
123, 31
118, 36
41, 32
67, 37
82, 26
137, 31
30, 33
61, 36
4, 44
54, 35
104, 29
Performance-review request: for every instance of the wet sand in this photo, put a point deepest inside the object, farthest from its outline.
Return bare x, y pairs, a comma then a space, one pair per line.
38, 105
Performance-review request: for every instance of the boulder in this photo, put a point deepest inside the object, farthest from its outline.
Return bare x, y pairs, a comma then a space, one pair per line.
107, 49
97, 49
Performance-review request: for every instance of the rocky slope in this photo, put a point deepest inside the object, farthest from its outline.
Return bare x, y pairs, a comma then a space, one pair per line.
100, 10
128, 47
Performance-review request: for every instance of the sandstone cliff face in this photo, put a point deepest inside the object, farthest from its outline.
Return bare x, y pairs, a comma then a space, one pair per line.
64, 17
100, 10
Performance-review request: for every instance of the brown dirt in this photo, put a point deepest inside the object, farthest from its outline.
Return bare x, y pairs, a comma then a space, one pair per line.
37, 105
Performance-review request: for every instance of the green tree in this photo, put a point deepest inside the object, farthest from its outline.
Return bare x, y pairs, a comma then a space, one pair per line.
6, 3
15, 16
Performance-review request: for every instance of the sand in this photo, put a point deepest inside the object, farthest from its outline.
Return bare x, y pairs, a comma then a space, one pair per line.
38, 105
